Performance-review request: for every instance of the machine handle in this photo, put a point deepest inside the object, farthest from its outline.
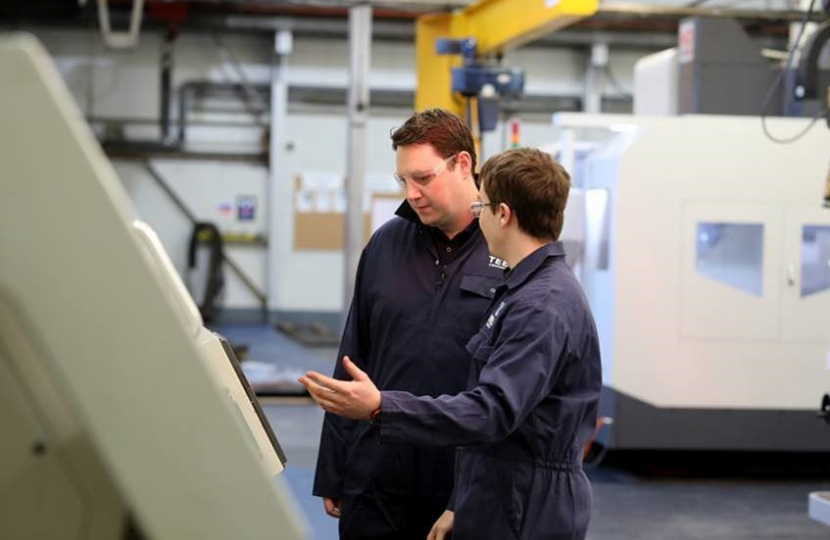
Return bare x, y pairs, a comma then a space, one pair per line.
791, 275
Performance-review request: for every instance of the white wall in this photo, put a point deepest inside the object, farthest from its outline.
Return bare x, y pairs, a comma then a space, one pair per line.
207, 188
125, 85
314, 280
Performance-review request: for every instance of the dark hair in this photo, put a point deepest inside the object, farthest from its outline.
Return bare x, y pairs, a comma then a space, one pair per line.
446, 132
533, 185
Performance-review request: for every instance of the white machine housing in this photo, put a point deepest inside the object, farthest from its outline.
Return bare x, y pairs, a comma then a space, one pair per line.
707, 265
122, 416
655, 84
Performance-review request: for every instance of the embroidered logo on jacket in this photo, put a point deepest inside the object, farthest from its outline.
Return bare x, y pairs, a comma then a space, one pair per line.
495, 262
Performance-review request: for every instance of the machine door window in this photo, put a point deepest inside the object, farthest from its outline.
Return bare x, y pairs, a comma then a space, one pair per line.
805, 299
731, 271
732, 253
815, 259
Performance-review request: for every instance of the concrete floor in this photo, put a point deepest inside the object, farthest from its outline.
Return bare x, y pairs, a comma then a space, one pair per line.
628, 505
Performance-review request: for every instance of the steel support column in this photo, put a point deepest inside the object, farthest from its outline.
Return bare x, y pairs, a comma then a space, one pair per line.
360, 44
279, 187
595, 78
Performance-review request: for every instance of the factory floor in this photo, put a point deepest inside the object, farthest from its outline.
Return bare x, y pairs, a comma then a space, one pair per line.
633, 499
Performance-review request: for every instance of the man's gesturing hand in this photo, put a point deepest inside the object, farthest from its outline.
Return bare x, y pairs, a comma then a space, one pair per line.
332, 507
355, 399
443, 527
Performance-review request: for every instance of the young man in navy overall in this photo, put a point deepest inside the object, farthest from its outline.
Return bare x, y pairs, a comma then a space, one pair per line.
423, 284
534, 384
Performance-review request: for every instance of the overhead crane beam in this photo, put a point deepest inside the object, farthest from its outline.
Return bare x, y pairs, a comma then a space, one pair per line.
496, 25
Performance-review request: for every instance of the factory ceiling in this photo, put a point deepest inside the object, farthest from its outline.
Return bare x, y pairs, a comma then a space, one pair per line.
642, 24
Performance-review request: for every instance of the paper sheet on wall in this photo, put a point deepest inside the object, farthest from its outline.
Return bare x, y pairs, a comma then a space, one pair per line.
383, 209
339, 202
379, 183
323, 201
325, 191
304, 201
382, 183
317, 191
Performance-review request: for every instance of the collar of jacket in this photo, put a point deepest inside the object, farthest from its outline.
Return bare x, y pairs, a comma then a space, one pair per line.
532, 262
406, 212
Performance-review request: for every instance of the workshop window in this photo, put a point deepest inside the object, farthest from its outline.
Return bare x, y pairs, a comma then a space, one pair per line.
815, 259
732, 253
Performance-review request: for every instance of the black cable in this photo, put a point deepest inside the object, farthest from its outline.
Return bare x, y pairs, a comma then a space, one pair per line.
255, 103
209, 308
796, 137
695, 3
721, 5
777, 82
191, 217
615, 83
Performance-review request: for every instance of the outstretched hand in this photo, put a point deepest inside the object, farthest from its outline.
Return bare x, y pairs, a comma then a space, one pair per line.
442, 529
355, 399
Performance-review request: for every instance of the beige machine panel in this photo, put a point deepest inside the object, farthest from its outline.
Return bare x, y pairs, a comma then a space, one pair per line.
731, 257
805, 300
118, 407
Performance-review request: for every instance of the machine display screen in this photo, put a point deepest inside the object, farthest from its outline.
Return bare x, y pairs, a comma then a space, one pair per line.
253, 399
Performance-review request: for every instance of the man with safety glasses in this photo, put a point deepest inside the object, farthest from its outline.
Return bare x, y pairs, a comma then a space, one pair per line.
423, 283
533, 389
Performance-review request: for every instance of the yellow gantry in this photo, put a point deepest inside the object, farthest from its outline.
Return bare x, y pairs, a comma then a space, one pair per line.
496, 25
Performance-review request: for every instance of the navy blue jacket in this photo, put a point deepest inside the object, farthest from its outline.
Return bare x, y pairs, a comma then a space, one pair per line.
532, 405
413, 311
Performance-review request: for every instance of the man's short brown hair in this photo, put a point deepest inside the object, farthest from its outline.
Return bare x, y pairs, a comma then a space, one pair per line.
446, 132
533, 185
